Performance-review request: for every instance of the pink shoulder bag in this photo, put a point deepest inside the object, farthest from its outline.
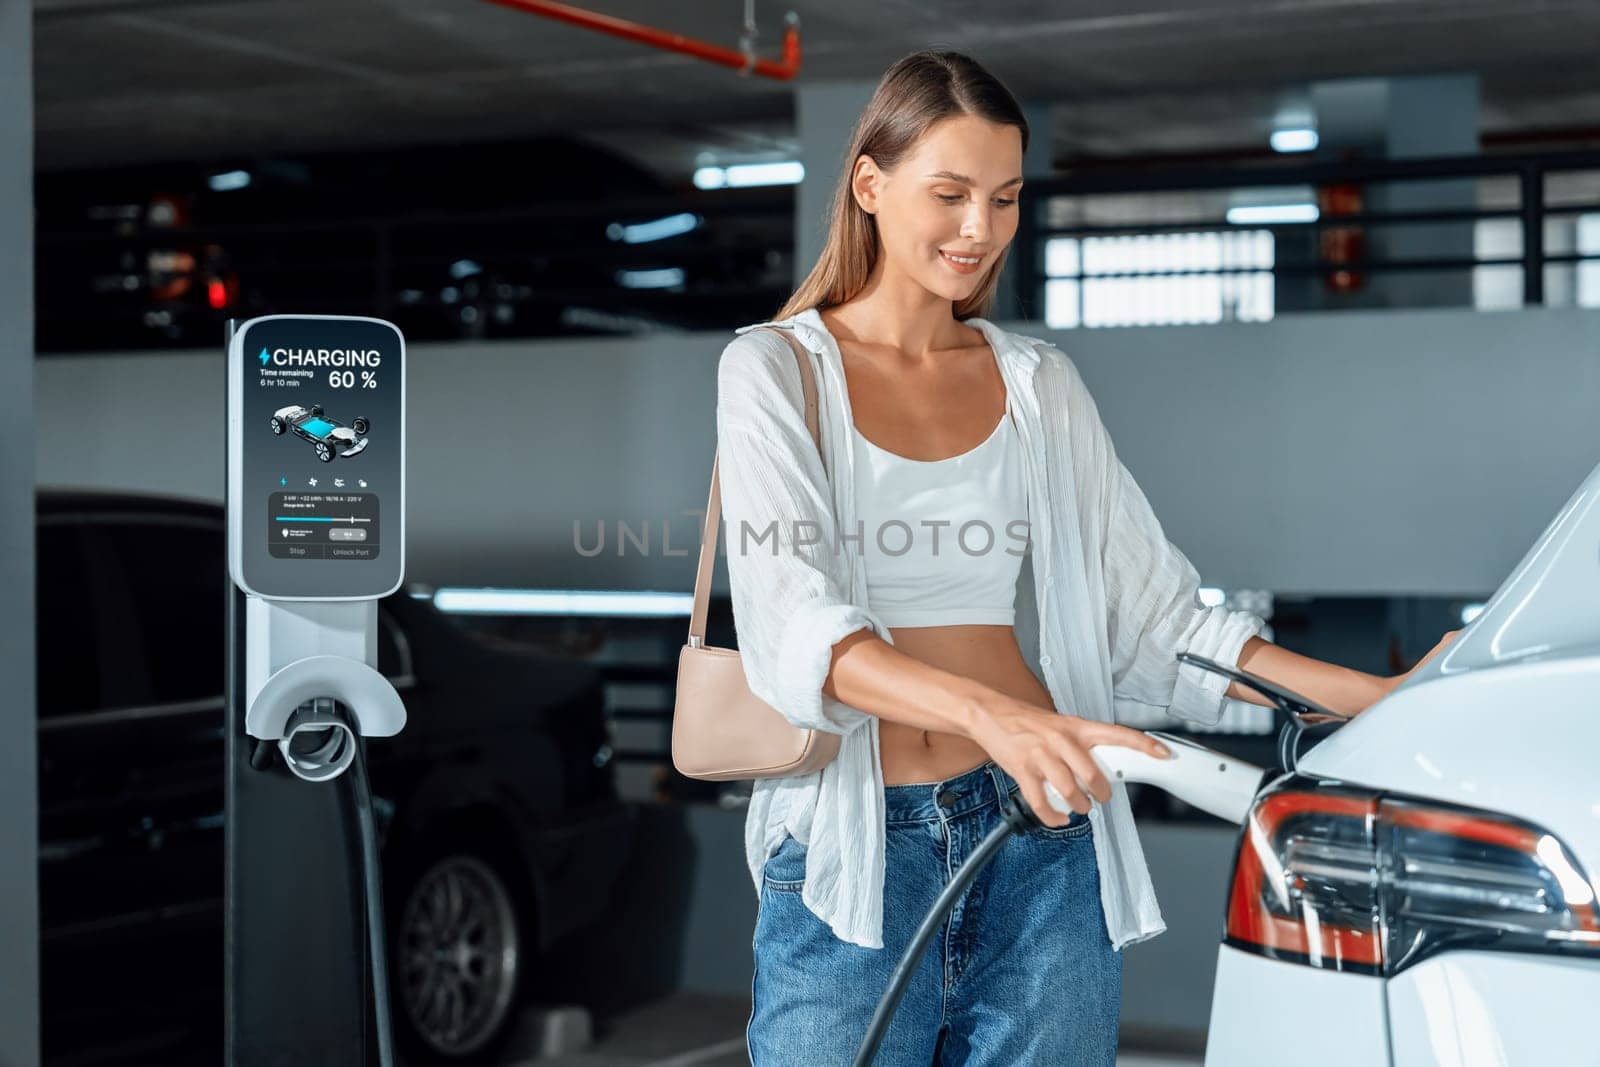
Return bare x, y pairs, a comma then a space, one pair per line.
721, 731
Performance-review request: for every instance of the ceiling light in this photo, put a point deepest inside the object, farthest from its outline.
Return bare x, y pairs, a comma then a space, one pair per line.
229, 180
745, 175
1297, 139
662, 278
562, 602
1272, 214
658, 230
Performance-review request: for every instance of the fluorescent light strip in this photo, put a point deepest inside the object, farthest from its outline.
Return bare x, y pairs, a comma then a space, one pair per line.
744, 175
787, 173
657, 230
665, 278
1294, 140
229, 181
562, 602
1271, 214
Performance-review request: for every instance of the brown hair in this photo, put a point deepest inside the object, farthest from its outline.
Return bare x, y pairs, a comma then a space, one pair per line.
918, 91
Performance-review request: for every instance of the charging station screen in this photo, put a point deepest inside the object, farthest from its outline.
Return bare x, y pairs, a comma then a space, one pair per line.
320, 456
323, 526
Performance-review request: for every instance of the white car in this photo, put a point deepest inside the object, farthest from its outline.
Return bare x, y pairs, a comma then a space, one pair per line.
1422, 888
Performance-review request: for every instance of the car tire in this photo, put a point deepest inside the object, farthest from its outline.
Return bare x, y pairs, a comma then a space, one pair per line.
316, 409
458, 951
277, 425
324, 452
359, 424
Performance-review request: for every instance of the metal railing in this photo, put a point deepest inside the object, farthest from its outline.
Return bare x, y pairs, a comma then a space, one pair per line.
529, 266
1529, 171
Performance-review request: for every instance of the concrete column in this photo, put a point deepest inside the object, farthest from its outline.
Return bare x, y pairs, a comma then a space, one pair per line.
1349, 114
1435, 115
1010, 305
1394, 118
825, 116
19, 789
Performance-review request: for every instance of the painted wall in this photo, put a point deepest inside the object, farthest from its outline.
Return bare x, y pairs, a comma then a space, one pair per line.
1394, 452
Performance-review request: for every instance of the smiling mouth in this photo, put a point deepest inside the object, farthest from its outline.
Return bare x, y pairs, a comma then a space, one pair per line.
966, 261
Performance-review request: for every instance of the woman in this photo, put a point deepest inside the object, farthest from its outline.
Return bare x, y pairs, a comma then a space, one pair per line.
956, 665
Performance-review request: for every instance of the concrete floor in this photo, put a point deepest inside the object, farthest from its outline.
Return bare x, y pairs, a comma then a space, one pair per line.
699, 1030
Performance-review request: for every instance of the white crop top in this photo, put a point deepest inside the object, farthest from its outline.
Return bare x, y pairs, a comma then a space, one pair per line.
942, 540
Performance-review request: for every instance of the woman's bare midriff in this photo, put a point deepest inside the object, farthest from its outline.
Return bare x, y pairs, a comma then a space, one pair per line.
987, 654
946, 406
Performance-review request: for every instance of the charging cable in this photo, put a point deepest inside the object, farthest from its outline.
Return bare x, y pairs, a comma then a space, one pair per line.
1209, 780
1018, 817
362, 789
322, 739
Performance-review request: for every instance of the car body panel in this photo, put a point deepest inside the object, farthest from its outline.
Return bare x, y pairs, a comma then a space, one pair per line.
1266, 1012
1494, 1009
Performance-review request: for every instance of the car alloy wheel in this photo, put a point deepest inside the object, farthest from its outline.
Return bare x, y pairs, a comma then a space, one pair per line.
458, 955
325, 453
277, 424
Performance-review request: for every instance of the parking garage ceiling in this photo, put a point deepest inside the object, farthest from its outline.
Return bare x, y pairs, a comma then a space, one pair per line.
137, 81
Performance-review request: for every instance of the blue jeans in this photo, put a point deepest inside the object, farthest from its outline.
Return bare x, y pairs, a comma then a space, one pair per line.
1020, 972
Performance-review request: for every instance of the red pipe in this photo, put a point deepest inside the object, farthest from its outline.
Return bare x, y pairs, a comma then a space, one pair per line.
675, 42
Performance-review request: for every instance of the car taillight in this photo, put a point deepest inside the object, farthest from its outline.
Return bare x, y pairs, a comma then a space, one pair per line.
1343, 879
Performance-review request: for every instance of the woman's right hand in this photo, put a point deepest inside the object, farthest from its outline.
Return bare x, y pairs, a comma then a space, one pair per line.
1037, 745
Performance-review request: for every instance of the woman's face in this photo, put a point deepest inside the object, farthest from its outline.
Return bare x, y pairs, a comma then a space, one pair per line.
954, 195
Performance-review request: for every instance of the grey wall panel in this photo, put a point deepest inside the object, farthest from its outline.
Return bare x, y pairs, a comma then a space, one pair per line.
1166, 981
1367, 452
1363, 452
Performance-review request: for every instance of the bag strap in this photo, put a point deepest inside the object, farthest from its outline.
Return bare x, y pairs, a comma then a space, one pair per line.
713, 526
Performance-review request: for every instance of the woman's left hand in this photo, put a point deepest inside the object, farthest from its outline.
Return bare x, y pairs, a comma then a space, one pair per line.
1392, 683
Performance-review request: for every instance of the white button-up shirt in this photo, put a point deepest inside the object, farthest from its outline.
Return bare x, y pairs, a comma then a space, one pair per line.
1104, 604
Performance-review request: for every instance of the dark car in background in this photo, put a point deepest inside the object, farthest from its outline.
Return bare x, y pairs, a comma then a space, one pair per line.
497, 803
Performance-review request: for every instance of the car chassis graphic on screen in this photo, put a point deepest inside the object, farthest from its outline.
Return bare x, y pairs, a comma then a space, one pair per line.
331, 437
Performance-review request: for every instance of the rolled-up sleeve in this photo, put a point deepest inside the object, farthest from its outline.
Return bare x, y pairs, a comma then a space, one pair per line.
788, 580
1152, 591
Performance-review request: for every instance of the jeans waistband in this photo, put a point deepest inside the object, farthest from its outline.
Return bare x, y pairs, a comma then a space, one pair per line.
932, 801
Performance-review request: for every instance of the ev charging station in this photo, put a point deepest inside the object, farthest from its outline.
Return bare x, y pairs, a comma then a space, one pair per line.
316, 536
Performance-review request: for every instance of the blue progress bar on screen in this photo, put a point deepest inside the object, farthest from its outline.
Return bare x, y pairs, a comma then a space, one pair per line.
301, 518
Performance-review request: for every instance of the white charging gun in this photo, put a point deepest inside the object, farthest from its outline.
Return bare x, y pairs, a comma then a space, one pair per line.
1203, 777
